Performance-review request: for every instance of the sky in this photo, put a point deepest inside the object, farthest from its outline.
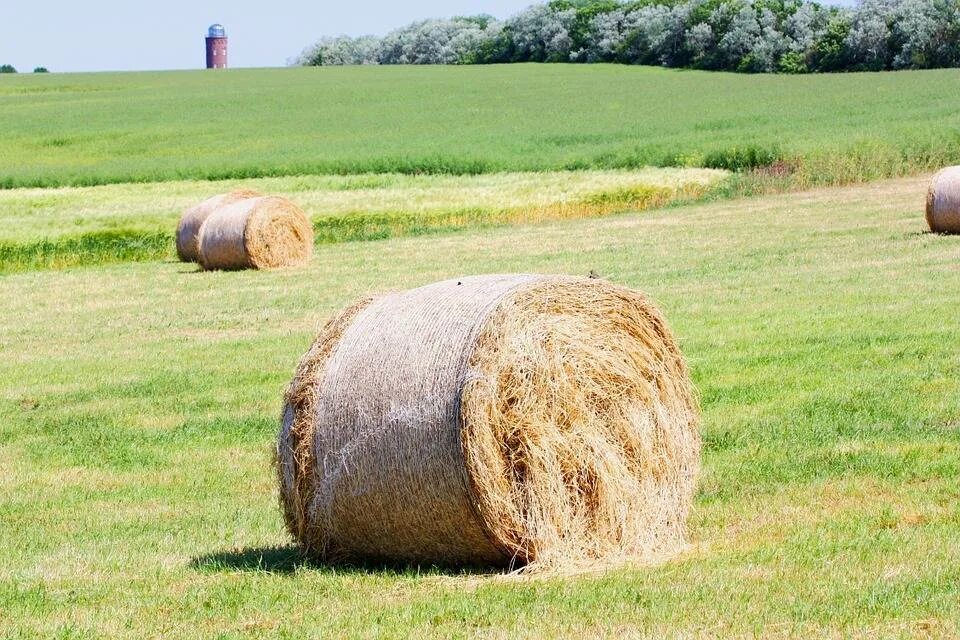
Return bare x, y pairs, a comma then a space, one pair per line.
113, 35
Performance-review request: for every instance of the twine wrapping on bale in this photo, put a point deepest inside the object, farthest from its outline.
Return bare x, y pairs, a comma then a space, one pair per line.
512, 420
260, 233
188, 229
943, 201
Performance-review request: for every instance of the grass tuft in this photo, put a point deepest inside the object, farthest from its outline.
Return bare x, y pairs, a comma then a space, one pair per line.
98, 247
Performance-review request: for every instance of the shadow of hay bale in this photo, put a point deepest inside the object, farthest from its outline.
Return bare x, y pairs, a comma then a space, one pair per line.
290, 559
262, 559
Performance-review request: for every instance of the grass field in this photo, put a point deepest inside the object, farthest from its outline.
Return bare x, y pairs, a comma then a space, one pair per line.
86, 129
138, 404
43, 228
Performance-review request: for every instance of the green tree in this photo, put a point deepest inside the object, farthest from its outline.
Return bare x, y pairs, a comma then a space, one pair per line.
793, 62
7, 68
829, 53
41, 70
581, 32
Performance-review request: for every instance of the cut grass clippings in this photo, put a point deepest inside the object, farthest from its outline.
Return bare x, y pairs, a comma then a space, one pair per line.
81, 226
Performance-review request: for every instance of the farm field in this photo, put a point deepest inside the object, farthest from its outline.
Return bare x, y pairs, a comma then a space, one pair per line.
42, 228
139, 402
86, 129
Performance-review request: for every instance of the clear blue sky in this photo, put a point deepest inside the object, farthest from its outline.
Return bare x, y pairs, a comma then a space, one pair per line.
101, 35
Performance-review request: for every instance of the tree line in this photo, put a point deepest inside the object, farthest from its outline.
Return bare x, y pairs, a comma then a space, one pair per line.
760, 36
9, 68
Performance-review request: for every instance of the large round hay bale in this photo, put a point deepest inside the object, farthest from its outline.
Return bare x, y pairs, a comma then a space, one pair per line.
258, 233
943, 201
190, 222
506, 420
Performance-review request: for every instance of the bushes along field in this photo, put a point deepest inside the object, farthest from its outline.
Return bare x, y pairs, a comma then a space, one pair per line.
759, 36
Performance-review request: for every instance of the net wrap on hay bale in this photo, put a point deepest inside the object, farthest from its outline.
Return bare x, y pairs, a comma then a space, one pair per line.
259, 233
505, 420
943, 201
188, 229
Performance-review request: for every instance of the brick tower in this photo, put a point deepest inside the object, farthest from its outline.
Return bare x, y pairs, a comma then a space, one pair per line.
216, 47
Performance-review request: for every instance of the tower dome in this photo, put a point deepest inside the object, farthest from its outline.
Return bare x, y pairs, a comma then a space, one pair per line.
216, 47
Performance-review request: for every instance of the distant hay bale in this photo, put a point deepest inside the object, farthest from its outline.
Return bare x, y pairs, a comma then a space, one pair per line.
545, 422
943, 201
191, 220
259, 233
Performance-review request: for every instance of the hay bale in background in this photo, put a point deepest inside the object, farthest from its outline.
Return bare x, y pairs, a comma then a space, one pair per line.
943, 201
260, 233
190, 222
508, 420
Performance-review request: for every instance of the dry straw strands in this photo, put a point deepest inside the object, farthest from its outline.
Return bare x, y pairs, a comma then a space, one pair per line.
943, 201
259, 233
509, 420
188, 228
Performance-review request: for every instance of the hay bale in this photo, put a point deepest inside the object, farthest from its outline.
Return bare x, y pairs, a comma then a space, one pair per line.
943, 201
259, 233
511, 420
188, 228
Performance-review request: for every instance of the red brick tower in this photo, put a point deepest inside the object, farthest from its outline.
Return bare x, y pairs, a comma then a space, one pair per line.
216, 47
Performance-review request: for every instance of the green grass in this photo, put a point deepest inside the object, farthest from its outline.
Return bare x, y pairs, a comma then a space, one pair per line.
87, 129
138, 404
56, 228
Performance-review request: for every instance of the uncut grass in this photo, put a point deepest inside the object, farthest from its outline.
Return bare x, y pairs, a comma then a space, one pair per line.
87, 129
819, 328
118, 223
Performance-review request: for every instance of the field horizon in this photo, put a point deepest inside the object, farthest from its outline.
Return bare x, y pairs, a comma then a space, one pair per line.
91, 129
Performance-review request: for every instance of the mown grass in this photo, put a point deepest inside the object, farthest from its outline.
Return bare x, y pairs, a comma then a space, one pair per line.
138, 404
89, 129
56, 228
